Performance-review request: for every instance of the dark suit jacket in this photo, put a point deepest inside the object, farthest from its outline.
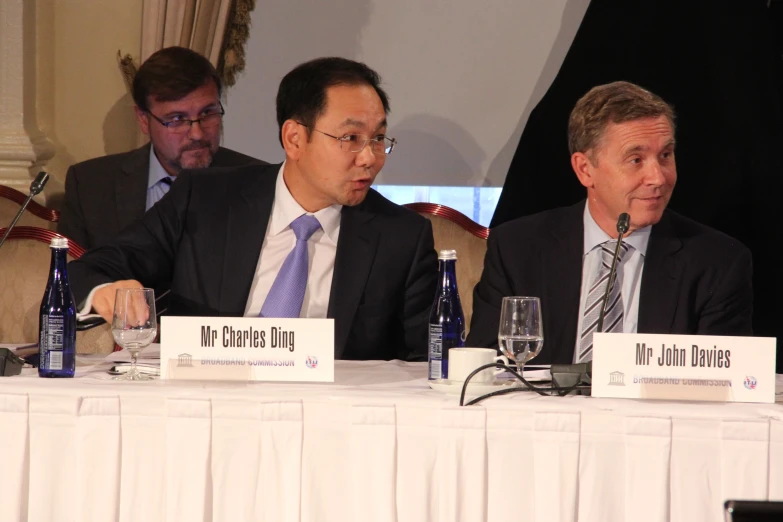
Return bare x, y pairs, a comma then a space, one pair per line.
696, 280
205, 237
104, 195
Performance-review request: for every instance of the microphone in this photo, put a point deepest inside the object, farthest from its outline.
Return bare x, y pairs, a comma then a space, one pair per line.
38, 184
35, 188
623, 223
580, 374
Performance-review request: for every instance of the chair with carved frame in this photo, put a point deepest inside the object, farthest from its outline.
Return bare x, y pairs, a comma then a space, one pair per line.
35, 215
453, 230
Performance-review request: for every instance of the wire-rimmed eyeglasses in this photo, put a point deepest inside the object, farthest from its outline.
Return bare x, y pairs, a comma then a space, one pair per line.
210, 119
357, 142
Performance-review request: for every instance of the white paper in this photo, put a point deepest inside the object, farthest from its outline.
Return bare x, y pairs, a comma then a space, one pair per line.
532, 373
12, 346
150, 352
148, 369
537, 375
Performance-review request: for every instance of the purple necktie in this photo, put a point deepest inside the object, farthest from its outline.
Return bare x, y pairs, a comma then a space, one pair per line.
287, 293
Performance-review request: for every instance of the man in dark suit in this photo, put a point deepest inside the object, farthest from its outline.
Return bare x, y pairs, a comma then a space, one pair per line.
674, 275
173, 88
230, 239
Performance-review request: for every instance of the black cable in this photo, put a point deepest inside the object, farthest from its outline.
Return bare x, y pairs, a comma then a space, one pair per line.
562, 392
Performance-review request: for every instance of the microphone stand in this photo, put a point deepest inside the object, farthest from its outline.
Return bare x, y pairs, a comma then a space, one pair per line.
622, 227
35, 188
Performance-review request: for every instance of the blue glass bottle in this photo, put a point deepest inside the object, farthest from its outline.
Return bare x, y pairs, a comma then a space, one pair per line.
447, 322
57, 327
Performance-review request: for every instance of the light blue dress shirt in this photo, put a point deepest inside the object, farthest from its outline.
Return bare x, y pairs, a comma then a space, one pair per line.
156, 188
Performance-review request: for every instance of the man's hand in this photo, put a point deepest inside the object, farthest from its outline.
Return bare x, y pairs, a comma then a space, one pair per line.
103, 300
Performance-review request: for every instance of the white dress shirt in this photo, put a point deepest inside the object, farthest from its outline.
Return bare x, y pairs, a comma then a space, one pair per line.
631, 267
279, 241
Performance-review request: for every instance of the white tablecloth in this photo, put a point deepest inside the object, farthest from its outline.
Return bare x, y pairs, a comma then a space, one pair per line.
377, 445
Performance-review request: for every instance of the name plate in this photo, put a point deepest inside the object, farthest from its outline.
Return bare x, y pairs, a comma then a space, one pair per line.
247, 349
684, 367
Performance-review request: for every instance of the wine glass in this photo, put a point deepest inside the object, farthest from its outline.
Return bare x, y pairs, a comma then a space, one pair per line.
134, 325
521, 331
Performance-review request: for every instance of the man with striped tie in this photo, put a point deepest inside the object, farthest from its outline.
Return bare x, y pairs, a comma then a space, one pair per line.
673, 275
177, 94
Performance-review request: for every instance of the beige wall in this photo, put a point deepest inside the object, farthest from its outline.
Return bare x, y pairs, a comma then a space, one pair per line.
83, 105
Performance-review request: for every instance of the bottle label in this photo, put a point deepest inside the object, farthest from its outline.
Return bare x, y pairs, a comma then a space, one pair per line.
436, 352
51, 349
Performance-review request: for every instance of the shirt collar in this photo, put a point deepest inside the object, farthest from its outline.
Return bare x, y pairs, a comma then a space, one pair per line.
286, 209
594, 236
157, 172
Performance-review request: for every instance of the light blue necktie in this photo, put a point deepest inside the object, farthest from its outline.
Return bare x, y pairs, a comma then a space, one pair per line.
287, 293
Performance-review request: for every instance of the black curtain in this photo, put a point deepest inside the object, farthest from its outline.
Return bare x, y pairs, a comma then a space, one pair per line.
720, 64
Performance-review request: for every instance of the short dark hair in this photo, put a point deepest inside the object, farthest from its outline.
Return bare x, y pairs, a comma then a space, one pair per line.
616, 102
171, 74
302, 92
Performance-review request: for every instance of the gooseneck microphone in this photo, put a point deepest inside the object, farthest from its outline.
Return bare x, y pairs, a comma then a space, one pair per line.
35, 188
37, 185
622, 227
570, 375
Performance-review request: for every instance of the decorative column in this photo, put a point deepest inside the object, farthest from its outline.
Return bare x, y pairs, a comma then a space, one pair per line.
24, 149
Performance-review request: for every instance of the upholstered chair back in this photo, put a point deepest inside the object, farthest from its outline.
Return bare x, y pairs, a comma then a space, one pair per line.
24, 271
453, 230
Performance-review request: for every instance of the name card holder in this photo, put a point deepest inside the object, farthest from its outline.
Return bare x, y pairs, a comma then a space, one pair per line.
247, 349
684, 367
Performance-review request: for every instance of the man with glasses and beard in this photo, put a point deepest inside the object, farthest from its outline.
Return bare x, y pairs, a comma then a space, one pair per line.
177, 95
307, 238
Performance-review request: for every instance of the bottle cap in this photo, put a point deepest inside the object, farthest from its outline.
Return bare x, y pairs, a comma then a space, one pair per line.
59, 242
447, 255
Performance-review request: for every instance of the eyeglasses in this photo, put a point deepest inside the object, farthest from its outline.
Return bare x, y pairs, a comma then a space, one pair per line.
357, 142
209, 120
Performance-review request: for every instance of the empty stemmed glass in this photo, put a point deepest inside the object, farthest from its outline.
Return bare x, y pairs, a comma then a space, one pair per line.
521, 330
134, 325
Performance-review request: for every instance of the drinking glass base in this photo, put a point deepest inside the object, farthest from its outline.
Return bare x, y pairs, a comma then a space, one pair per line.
134, 376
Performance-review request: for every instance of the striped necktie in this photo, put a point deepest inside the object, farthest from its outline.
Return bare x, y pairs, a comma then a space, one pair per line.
613, 320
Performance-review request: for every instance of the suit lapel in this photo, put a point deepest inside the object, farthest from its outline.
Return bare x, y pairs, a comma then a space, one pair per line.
130, 187
356, 250
248, 217
562, 279
658, 294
